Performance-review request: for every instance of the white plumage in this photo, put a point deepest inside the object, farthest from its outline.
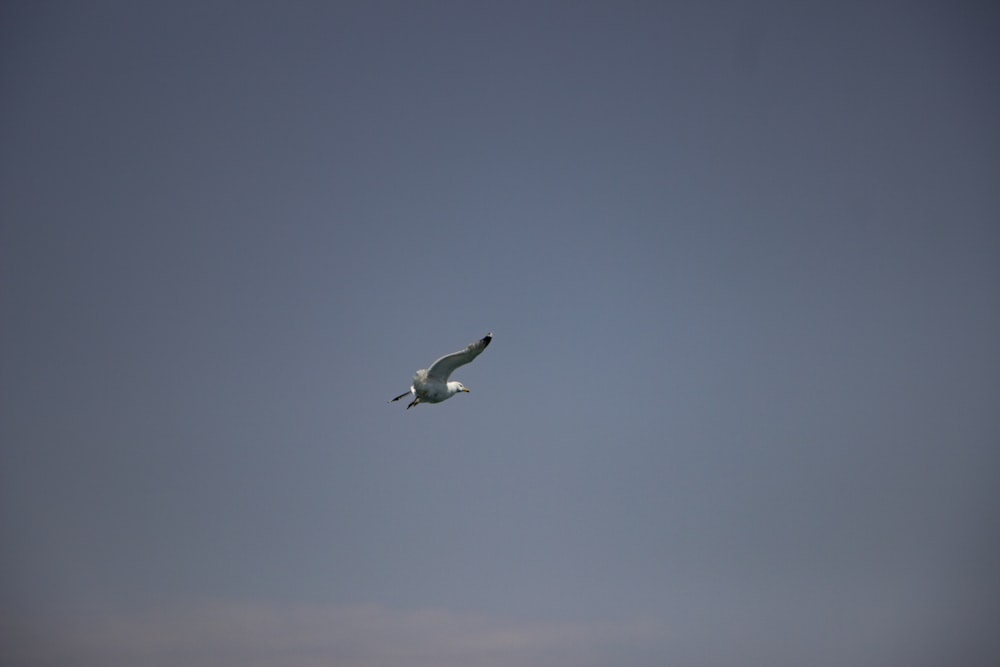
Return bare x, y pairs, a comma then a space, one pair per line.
431, 385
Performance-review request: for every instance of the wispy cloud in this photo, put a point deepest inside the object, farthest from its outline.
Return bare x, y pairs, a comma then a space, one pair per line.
247, 635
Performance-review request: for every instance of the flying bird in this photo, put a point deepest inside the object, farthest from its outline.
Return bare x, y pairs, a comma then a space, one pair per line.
431, 385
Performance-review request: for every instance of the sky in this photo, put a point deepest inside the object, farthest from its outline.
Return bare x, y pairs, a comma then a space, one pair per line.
740, 260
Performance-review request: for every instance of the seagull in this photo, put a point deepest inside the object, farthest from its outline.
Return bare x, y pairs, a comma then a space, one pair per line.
430, 385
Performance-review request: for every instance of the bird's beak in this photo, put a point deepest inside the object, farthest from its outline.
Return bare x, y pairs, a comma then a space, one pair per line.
466, 390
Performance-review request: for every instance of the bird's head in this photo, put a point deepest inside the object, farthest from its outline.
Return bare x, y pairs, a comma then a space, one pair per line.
458, 387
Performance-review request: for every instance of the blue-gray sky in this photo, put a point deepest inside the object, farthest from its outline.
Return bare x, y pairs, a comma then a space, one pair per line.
740, 259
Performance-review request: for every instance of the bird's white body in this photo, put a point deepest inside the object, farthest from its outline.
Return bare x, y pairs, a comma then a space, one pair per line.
432, 390
431, 385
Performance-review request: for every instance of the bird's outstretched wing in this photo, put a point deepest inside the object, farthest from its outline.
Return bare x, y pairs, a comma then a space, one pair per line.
443, 367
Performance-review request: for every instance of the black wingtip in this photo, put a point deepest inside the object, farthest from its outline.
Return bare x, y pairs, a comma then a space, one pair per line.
486, 339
